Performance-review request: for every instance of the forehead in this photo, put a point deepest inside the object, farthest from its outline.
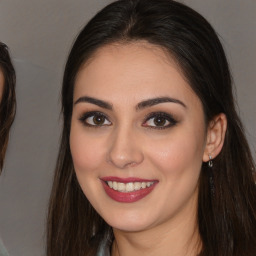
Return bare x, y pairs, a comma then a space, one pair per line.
132, 70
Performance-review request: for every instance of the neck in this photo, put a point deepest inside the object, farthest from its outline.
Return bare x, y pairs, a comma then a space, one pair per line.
178, 237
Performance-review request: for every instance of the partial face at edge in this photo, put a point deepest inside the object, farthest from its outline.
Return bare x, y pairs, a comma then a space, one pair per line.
136, 120
1, 85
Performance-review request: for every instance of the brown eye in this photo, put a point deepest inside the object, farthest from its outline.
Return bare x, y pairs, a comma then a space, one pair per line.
96, 119
99, 119
159, 120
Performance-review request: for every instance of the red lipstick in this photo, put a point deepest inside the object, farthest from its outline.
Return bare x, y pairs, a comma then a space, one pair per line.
131, 196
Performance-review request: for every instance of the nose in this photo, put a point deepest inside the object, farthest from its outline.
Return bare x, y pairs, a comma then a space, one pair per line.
125, 150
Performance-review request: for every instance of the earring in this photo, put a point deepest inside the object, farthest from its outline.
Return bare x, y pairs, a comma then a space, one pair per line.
211, 178
210, 163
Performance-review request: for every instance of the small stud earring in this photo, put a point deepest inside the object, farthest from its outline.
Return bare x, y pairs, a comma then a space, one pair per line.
210, 163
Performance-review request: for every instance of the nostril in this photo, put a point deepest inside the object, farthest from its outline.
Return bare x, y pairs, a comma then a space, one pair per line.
132, 164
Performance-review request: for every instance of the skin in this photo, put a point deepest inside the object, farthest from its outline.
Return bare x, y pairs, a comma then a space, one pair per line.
127, 144
1, 85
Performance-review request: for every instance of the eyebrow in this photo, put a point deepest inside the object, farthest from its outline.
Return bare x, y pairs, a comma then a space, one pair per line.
140, 106
159, 100
100, 103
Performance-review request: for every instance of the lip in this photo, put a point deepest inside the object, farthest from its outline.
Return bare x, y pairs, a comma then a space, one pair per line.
127, 197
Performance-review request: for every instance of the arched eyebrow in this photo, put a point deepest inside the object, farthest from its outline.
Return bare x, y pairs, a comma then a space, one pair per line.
100, 103
140, 106
159, 100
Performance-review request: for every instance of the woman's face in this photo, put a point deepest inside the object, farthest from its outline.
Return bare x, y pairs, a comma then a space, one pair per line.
137, 137
1, 85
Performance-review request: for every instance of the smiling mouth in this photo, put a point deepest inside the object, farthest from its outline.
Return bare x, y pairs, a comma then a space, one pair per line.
127, 190
128, 187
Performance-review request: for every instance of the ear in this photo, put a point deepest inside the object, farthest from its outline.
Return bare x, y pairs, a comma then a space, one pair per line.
215, 136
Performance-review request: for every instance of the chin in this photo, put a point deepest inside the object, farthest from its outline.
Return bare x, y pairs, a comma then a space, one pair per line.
128, 222
129, 226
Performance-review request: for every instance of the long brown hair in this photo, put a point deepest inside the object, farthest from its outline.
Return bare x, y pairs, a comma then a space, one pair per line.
227, 194
8, 102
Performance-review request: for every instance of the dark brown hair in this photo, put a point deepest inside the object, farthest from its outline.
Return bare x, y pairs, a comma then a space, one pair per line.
8, 102
227, 195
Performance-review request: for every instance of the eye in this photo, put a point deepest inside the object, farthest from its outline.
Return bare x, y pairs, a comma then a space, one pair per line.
95, 119
159, 120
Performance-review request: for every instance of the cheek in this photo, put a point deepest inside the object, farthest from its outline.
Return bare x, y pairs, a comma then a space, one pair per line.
178, 155
85, 150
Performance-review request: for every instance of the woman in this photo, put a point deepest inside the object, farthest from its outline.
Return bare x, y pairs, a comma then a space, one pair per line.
7, 107
153, 159
7, 99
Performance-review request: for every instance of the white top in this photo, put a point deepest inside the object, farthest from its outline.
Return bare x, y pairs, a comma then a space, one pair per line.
3, 251
104, 249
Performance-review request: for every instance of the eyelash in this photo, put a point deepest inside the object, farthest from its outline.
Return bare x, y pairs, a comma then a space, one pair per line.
165, 117
93, 114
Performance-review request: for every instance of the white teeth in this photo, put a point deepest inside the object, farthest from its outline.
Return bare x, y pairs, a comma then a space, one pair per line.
128, 187
110, 183
137, 185
114, 185
148, 184
120, 186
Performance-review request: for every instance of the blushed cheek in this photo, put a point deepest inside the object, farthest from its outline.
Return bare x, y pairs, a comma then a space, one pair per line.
85, 153
178, 156
171, 159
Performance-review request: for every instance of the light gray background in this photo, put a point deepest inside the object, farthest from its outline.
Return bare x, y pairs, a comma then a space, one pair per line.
39, 34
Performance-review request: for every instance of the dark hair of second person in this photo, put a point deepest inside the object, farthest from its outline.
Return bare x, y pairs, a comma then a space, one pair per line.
7, 100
